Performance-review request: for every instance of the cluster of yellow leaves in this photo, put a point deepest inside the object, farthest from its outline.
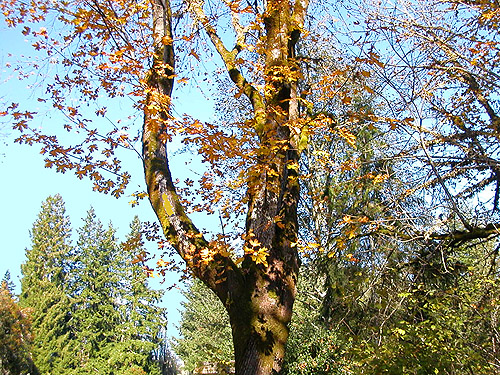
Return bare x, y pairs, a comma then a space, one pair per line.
349, 165
207, 255
351, 227
255, 250
345, 134
307, 249
379, 178
136, 197
489, 12
279, 75
216, 247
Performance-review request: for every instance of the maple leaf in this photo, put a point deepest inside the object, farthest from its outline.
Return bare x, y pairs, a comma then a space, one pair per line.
260, 256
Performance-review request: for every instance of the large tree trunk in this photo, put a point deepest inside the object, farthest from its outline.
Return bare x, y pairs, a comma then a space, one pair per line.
260, 326
258, 295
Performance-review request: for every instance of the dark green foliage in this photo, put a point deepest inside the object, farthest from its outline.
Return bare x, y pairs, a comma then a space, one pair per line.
44, 288
117, 317
312, 347
91, 304
95, 290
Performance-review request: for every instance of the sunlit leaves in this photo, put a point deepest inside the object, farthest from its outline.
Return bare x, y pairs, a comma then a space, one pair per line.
254, 249
16, 338
111, 61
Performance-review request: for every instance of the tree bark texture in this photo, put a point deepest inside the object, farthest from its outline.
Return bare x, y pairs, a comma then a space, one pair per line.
258, 296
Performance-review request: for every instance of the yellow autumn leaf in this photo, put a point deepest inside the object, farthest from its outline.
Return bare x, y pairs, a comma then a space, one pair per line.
260, 256
254, 242
347, 219
162, 263
380, 178
351, 233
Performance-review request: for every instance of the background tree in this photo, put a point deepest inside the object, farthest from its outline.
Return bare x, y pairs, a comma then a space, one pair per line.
44, 286
92, 304
142, 320
95, 288
15, 335
114, 312
205, 333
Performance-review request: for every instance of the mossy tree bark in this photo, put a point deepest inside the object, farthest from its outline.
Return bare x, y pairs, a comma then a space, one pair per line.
258, 296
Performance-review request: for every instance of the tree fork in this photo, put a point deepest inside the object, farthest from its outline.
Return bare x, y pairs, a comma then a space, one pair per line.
258, 296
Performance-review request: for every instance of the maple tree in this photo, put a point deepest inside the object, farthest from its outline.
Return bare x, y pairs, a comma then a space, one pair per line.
140, 49
115, 44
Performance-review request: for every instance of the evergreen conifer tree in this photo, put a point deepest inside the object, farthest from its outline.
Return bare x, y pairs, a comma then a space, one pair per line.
205, 330
92, 308
141, 318
43, 287
116, 313
94, 288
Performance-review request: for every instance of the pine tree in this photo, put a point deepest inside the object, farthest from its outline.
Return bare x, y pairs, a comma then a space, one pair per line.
116, 313
92, 307
205, 330
141, 318
43, 287
94, 288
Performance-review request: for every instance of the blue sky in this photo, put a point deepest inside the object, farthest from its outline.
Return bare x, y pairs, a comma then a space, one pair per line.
26, 183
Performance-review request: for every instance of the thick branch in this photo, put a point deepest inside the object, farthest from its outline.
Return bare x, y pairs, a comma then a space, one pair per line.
205, 261
469, 235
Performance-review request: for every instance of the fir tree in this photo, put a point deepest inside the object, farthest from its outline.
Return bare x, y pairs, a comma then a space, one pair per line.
205, 330
43, 287
142, 319
116, 312
93, 310
94, 287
